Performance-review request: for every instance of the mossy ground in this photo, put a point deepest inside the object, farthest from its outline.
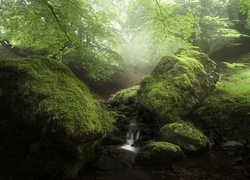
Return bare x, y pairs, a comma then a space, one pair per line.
48, 113
228, 106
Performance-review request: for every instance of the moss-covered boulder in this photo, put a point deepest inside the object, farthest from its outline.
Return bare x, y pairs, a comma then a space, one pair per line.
124, 97
158, 153
49, 122
177, 84
187, 137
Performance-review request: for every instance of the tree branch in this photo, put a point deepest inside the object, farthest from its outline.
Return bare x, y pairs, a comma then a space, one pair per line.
59, 24
21, 52
15, 50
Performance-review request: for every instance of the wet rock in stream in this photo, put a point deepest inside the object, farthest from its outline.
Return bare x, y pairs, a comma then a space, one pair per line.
105, 162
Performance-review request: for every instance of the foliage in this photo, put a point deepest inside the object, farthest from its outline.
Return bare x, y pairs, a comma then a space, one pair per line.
89, 32
61, 27
168, 25
214, 33
160, 24
244, 7
215, 29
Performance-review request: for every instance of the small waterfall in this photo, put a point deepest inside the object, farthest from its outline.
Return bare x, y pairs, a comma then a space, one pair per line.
132, 136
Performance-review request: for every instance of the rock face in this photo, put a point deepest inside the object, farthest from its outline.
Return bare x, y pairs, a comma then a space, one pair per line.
187, 137
177, 84
49, 122
156, 153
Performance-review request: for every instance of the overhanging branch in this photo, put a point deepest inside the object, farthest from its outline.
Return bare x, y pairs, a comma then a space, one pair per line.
58, 22
15, 50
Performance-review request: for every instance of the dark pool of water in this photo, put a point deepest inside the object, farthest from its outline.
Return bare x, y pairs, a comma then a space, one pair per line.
211, 165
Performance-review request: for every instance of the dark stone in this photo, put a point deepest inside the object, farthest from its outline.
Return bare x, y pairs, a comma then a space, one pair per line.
105, 162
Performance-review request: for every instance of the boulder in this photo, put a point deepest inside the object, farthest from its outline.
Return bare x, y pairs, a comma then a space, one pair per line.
177, 84
49, 122
159, 153
186, 136
107, 163
124, 97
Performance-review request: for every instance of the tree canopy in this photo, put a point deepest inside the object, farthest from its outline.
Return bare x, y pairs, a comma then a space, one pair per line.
91, 33
60, 27
244, 6
169, 25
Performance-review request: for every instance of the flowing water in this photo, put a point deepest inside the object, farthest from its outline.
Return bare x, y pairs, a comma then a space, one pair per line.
132, 136
210, 165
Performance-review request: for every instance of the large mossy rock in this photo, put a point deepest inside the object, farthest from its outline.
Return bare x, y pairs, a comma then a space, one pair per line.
187, 137
158, 153
49, 122
177, 84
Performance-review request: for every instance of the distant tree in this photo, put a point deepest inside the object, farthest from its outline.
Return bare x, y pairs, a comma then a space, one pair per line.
160, 25
170, 24
244, 7
215, 29
79, 29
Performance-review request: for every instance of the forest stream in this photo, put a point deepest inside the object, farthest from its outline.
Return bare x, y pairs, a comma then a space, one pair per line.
124, 89
210, 165
216, 164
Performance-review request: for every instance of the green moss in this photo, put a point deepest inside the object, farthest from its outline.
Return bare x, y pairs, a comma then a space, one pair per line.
159, 153
235, 65
49, 114
159, 146
56, 95
235, 83
177, 84
186, 136
232, 144
228, 106
125, 96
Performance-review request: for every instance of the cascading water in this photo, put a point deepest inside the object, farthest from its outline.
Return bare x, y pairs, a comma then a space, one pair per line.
132, 135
